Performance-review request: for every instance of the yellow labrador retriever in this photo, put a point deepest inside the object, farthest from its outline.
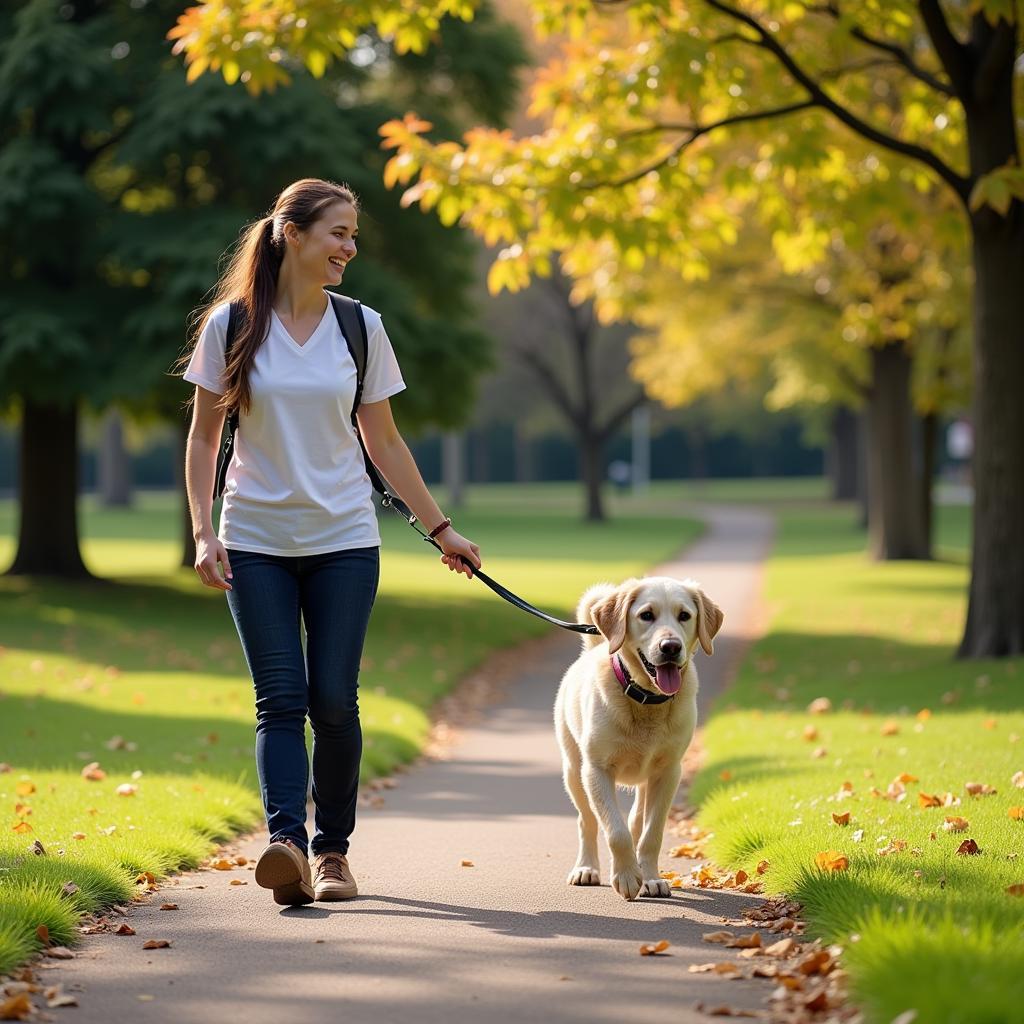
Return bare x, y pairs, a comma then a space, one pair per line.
625, 713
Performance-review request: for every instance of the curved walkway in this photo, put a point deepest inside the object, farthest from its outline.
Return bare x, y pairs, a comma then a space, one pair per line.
432, 940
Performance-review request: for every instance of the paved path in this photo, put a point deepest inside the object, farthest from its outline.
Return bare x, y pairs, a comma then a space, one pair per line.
430, 940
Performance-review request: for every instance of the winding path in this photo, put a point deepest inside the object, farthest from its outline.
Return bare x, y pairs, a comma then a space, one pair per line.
432, 940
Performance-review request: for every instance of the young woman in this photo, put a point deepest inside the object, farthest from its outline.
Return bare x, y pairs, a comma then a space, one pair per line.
298, 542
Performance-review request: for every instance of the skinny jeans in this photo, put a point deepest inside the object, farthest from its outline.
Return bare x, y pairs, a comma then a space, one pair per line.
273, 599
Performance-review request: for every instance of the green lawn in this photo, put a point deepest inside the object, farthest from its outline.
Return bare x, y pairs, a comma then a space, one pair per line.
923, 927
142, 673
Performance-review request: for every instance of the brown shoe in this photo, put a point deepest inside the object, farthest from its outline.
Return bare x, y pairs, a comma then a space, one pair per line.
284, 868
334, 880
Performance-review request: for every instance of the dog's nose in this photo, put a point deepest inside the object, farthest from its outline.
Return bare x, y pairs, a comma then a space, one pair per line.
670, 647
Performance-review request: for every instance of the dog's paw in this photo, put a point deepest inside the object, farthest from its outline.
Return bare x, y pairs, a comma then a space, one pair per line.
628, 883
584, 876
657, 887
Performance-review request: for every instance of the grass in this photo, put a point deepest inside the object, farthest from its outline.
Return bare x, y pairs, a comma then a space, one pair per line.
142, 672
924, 928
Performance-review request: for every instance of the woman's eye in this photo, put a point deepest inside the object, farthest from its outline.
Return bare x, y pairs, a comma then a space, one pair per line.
647, 616
684, 616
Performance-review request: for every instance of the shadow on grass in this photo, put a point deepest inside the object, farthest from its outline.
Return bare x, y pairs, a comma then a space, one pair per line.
866, 673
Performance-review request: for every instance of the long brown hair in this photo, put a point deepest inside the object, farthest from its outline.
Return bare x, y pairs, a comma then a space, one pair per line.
251, 278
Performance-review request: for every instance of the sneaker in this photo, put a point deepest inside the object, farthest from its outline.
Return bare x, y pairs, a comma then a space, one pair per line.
283, 867
334, 880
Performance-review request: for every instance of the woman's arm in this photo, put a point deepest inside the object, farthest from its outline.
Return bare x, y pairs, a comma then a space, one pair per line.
200, 467
392, 457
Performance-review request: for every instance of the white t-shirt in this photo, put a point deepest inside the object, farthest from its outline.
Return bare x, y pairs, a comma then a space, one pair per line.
297, 484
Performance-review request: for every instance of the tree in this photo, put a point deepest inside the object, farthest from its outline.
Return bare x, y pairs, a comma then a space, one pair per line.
626, 173
146, 181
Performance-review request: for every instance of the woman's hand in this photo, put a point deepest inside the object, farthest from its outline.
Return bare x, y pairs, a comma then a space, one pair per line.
210, 551
460, 555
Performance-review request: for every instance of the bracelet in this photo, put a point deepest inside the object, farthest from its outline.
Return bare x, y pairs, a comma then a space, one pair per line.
440, 528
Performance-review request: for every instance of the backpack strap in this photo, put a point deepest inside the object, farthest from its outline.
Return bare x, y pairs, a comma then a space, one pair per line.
353, 326
228, 447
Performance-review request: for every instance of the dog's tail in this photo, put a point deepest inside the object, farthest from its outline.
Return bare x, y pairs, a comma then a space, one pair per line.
596, 593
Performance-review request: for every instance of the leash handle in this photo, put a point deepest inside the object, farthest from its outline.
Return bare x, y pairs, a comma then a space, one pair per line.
389, 500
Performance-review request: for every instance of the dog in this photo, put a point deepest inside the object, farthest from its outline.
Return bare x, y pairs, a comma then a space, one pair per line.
624, 715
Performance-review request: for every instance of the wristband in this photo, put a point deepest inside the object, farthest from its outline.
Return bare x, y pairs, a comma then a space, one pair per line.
440, 528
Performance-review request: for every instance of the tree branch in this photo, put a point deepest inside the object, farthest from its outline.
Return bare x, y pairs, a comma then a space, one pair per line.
959, 184
549, 381
617, 418
696, 131
952, 53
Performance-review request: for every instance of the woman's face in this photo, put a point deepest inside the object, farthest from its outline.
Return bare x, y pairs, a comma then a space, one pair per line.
324, 249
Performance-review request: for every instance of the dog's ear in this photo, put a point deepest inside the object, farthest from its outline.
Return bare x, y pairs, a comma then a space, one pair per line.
709, 620
609, 614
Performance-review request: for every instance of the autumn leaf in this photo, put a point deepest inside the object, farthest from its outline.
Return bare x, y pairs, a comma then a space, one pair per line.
1016, 890
725, 968
810, 733
22, 828
889, 728
841, 819
168, 906
222, 864
968, 848
1016, 813
979, 789
156, 944
466, 864
652, 949
782, 948
124, 929
928, 800
820, 706
762, 867
831, 860
24, 788
818, 962
896, 846
923, 715
238, 881
17, 1007
1018, 779
752, 941
93, 772
955, 824
719, 938
126, 789
43, 934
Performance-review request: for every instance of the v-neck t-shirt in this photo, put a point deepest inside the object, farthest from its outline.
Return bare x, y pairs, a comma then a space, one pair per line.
297, 483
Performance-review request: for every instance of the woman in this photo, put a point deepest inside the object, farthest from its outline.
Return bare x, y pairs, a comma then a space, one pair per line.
298, 537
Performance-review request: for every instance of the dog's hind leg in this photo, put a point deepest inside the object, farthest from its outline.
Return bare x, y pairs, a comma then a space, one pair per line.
636, 813
661, 790
587, 870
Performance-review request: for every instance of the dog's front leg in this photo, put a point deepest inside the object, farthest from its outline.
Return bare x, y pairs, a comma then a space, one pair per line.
600, 786
660, 792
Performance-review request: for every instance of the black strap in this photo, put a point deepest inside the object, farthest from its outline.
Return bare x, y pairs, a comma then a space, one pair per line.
350, 318
227, 448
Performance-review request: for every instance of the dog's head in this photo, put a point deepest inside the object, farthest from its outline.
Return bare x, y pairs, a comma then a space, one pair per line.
657, 623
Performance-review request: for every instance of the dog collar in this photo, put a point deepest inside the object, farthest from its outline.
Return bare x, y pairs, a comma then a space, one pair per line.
631, 690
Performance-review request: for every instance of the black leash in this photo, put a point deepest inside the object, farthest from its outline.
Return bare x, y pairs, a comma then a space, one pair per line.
388, 500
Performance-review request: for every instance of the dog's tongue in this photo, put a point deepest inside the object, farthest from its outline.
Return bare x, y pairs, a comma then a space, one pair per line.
668, 677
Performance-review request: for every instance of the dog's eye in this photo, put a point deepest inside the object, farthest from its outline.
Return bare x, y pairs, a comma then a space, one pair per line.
646, 616
684, 616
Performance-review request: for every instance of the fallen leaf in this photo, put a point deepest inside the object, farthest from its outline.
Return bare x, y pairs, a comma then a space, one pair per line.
156, 944
889, 728
1018, 779
1016, 890
820, 706
923, 715
968, 848
43, 934
955, 824
168, 906
238, 881
752, 941
817, 1002
781, 948
22, 827
124, 929
810, 733
726, 1011
651, 949
78, 835
24, 788
56, 997
126, 789
762, 867
720, 938
831, 860
989, 723
928, 800
979, 789
906, 777
818, 753
818, 962
895, 846
93, 772
17, 1007
726, 967
466, 864
1017, 813
725, 775
841, 819
241, 861
60, 953
68, 889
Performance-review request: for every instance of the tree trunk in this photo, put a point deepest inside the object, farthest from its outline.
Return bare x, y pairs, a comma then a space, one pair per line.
995, 611
592, 472
843, 454
895, 530
48, 493
115, 485
188, 541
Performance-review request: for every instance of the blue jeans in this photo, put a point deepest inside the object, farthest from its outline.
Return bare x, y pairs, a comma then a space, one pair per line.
273, 596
